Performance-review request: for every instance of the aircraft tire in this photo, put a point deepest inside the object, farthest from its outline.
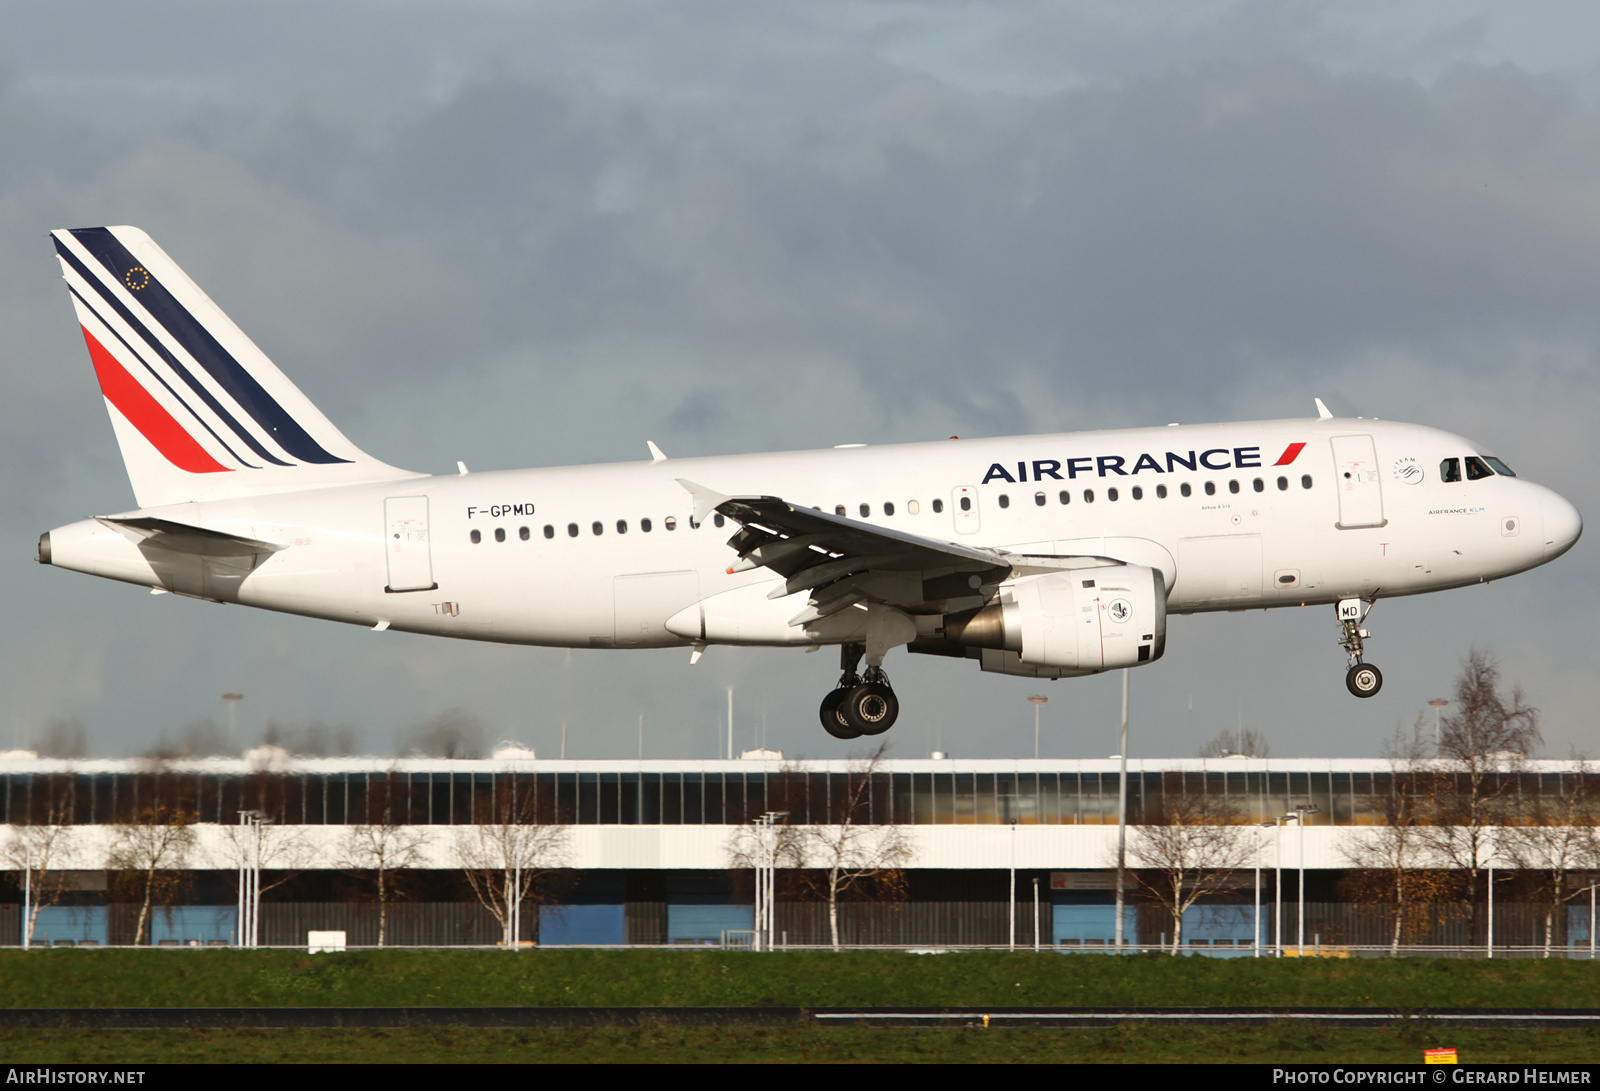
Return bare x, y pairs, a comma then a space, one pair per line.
871, 708
832, 715
1364, 680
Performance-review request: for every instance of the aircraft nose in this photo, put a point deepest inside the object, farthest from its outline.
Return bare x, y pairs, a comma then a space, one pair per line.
1562, 525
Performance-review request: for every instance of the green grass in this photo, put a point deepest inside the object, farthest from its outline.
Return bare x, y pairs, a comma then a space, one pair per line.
64, 978
1129, 1044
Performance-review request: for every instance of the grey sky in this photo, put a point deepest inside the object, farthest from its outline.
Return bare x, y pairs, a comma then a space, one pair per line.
540, 234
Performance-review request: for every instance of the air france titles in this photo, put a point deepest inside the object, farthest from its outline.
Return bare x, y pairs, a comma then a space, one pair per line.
1216, 458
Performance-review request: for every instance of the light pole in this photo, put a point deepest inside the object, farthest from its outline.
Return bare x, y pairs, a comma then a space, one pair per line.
231, 700
1037, 701
766, 876
1277, 879
1122, 817
1300, 888
1438, 703
250, 822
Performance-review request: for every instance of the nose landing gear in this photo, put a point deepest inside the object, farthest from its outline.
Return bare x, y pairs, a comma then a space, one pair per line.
858, 705
1362, 679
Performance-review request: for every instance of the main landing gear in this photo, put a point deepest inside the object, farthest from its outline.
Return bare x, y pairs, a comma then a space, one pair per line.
1362, 679
859, 705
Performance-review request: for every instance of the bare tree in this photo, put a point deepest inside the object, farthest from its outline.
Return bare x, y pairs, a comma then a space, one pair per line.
453, 733
852, 853
1190, 850
1246, 742
36, 852
201, 738
505, 858
382, 848
1482, 747
150, 853
283, 850
62, 739
1392, 859
1556, 839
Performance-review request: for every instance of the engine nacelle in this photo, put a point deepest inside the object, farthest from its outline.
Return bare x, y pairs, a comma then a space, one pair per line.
1076, 621
1090, 619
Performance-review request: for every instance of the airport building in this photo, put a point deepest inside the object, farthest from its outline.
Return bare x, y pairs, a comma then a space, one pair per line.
952, 851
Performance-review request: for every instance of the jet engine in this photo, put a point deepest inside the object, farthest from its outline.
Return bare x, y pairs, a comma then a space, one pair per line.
1058, 624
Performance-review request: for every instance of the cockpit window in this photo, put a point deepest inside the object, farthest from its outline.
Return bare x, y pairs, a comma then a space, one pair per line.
1476, 470
1499, 467
1450, 470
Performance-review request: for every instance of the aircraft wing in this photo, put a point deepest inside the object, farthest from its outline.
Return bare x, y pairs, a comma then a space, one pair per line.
842, 561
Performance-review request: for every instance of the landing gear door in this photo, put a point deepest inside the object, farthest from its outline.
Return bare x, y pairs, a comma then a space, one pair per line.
964, 507
406, 542
1356, 476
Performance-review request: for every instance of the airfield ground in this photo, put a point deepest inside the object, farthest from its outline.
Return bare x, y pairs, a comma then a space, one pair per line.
58, 979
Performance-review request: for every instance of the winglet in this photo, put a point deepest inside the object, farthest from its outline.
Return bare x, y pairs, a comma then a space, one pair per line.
1322, 410
705, 500
656, 453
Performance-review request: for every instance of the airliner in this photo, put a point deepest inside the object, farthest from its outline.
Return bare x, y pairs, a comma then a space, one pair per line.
1043, 556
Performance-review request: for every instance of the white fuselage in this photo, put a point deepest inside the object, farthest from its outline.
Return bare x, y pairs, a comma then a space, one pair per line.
562, 556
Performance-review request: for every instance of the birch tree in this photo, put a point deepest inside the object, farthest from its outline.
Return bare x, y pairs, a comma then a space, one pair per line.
1191, 850
151, 852
504, 859
851, 852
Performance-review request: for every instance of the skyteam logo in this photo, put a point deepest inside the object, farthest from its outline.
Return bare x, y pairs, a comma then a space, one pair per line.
1166, 462
1120, 610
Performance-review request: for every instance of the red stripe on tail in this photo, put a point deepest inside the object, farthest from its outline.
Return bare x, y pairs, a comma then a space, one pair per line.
145, 413
1290, 453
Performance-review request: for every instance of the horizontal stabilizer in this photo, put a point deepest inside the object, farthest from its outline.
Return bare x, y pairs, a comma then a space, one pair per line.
183, 538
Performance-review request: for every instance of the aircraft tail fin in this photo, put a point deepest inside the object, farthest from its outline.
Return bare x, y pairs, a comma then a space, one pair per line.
199, 411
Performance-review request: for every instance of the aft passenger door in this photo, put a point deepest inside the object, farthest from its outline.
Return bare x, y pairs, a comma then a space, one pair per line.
406, 539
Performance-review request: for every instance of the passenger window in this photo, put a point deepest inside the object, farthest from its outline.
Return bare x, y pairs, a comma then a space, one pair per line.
475, 536
523, 534
598, 527
694, 524
1305, 481
1138, 493
838, 509
670, 522
549, 531
1283, 484
1184, 489
1211, 488
1260, 485
1038, 499
1111, 494
1233, 487
1066, 497
966, 503
938, 506
572, 530
1005, 501
866, 511
622, 526
1088, 496
1450, 470
499, 534
718, 519
1476, 470
1161, 492
888, 507
913, 507
644, 525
